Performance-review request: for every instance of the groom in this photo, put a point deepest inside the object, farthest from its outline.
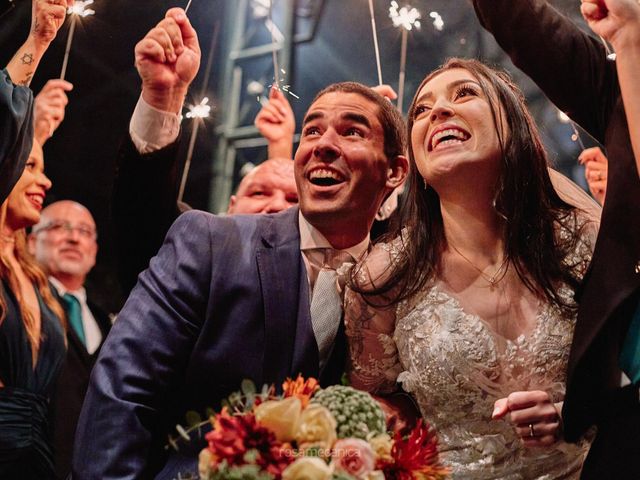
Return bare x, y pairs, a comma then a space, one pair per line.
229, 298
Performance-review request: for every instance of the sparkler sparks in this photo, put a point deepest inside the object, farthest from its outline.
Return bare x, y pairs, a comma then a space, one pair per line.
199, 110
438, 23
77, 10
405, 17
80, 9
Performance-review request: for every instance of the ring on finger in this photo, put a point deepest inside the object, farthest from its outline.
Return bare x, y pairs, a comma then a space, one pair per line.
532, 432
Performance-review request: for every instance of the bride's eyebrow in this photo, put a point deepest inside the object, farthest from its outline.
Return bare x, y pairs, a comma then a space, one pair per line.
429, 95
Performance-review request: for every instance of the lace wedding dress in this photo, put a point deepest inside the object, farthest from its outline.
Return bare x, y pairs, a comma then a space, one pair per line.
455, 365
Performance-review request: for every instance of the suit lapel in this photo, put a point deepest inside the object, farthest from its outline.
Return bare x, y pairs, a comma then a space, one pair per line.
282, 272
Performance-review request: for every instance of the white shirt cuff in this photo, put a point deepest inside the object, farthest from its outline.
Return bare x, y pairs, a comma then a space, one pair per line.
152, 129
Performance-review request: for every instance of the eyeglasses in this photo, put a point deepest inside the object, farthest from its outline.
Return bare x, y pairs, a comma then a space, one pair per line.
59, 227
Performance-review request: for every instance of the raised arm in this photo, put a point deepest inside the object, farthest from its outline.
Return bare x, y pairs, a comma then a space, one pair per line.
16, 99
619, 22
167, 59
568, 65
277, 123
46, 19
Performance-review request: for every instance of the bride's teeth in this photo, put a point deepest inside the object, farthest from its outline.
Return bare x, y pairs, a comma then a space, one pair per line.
450, 132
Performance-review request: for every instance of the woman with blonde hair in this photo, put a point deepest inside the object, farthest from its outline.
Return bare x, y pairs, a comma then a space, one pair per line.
32, 340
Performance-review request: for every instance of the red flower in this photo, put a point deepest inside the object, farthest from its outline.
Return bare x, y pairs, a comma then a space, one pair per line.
234, 436
414, 458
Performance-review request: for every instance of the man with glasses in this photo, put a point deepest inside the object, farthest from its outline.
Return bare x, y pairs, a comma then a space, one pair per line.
65, 244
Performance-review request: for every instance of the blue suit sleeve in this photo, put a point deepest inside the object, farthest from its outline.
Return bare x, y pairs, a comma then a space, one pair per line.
145, 356
16, 125
566, 63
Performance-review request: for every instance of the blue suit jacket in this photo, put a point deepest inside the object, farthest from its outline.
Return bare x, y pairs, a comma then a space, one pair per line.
225, 299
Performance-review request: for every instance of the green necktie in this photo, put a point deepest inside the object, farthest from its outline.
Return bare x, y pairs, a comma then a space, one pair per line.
74, 313
630, 356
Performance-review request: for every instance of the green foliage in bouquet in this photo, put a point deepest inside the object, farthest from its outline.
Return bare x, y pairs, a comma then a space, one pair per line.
357, 413
244, 472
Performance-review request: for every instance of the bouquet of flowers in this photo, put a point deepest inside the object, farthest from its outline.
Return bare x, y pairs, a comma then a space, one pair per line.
313, 434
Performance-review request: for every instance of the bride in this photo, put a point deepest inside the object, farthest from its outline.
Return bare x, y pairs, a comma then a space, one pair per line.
469, 305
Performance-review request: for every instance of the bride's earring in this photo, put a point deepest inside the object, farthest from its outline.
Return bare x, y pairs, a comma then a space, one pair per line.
425, 182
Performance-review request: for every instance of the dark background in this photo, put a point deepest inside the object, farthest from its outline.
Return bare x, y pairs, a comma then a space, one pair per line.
80, 157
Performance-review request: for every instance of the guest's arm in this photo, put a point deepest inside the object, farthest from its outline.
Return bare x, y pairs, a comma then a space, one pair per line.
276, 122
142, 216
16, 99
567, 64
47, 17
619, 22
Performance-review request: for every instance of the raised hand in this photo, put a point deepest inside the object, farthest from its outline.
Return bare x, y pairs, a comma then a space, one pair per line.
596, 171
533, 415
50, 108
276, 122
167, 59
608, 18
386, 91
46, 19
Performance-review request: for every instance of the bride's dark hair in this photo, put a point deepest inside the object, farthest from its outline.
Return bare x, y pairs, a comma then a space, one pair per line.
525, 198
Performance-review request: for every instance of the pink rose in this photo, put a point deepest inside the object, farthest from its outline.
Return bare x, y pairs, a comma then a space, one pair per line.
354, 457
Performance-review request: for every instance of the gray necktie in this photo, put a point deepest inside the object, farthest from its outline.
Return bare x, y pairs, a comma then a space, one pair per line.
326, 302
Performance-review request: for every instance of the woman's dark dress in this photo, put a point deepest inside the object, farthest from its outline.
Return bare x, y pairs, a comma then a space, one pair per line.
25, 446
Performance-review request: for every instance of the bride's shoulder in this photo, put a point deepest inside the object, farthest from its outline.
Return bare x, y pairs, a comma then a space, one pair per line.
377, 265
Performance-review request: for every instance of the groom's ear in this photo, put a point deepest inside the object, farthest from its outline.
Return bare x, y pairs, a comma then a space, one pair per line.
397, 171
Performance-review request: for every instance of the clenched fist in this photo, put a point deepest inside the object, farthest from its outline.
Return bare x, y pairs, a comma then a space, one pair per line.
47, 18
167, 59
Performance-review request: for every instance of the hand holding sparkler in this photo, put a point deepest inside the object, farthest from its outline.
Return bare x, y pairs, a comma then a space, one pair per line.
46, 19
49, 108
277, 123
167, 59
386, 91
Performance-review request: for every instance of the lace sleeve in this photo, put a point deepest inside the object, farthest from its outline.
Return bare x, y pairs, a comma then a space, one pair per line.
373, 356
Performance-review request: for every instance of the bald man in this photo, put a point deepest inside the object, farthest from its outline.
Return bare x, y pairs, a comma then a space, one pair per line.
65, 244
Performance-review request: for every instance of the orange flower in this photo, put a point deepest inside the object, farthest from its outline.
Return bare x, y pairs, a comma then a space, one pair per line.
414, 458
301, 388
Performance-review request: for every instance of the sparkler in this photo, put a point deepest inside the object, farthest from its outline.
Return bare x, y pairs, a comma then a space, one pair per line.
198, 112
610, 55
406, 18
186, 9
375, 41
276, 75
77, 10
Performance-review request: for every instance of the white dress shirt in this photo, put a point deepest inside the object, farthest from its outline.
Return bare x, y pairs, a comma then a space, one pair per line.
311, 240
152, 129
92, 333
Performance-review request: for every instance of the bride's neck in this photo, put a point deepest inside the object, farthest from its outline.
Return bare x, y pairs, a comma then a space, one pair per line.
472, 224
